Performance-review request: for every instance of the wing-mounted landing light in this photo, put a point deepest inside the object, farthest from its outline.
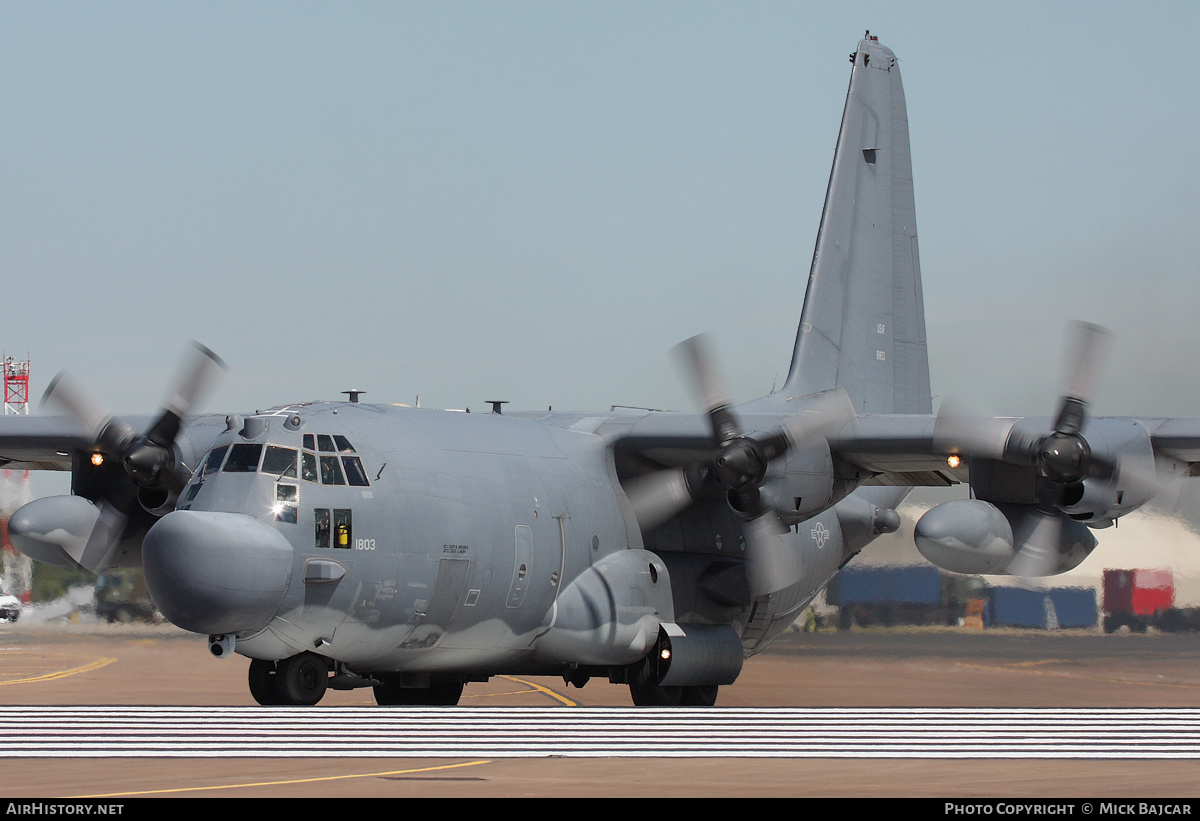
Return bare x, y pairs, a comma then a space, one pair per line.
741, 464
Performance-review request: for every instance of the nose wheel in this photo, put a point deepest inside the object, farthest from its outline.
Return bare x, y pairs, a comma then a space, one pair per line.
297, 681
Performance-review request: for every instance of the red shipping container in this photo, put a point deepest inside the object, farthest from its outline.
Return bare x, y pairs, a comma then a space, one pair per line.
1142, 592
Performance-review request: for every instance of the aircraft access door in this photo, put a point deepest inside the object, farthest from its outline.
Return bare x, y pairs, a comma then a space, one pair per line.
443, 602
522, 565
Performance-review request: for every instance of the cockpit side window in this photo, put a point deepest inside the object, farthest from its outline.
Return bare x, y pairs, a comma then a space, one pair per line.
343, 444
213, 463
321, 519
355, 474
286, 501
280, 461
243, 458
310, 442
343, 535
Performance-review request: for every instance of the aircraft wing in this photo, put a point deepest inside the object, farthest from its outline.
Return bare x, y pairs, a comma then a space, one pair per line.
908, 450
1178, 438
39, 442
897, 449
894, 449
46, 442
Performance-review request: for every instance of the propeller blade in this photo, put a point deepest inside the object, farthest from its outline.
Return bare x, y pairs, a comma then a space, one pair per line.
821, 416
193, 379
102, 542
771, 562
1038, 555
1087, 349
660, 496
67, 394
698, 362
955, 431
695, 354
1148, 479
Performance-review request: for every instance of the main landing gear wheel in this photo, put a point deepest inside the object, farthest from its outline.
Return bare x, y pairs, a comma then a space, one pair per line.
646, 692
439, 693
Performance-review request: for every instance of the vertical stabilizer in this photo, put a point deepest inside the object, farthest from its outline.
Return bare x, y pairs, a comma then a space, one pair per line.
863, 326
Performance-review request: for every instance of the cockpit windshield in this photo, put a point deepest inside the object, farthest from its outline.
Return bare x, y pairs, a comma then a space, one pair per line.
279, 461
285, 462
243, 458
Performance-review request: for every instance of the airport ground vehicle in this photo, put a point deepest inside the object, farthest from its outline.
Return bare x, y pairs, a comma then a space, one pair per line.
1144, 599
121, 596
10, 606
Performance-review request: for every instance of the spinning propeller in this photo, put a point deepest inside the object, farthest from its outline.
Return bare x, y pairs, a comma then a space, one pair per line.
89, 530
1063, 457
740, 462
149, 458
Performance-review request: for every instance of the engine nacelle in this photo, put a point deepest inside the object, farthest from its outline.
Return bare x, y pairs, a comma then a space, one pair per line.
158, 502
801, 485
1098, 502
976, 537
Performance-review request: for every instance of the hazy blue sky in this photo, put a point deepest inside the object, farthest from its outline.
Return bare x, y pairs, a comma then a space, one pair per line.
534, 201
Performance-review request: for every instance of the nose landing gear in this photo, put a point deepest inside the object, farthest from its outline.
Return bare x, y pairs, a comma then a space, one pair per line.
300, 680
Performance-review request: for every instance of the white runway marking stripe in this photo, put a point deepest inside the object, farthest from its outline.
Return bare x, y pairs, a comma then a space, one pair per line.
172, 732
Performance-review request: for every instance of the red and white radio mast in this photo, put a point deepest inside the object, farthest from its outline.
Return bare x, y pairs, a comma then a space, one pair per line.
14, 484
16, 386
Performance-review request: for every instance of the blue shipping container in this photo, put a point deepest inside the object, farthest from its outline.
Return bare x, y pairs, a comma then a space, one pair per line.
1044, 609
915, 584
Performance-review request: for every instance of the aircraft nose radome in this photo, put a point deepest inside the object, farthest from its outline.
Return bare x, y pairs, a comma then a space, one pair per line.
216, 572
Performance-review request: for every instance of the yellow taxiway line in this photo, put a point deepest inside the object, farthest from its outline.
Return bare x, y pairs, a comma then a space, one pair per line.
287, 781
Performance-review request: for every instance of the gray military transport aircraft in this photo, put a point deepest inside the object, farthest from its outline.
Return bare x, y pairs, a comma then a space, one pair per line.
412, 550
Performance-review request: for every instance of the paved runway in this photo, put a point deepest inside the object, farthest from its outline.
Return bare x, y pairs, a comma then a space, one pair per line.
822, 674
600, 732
